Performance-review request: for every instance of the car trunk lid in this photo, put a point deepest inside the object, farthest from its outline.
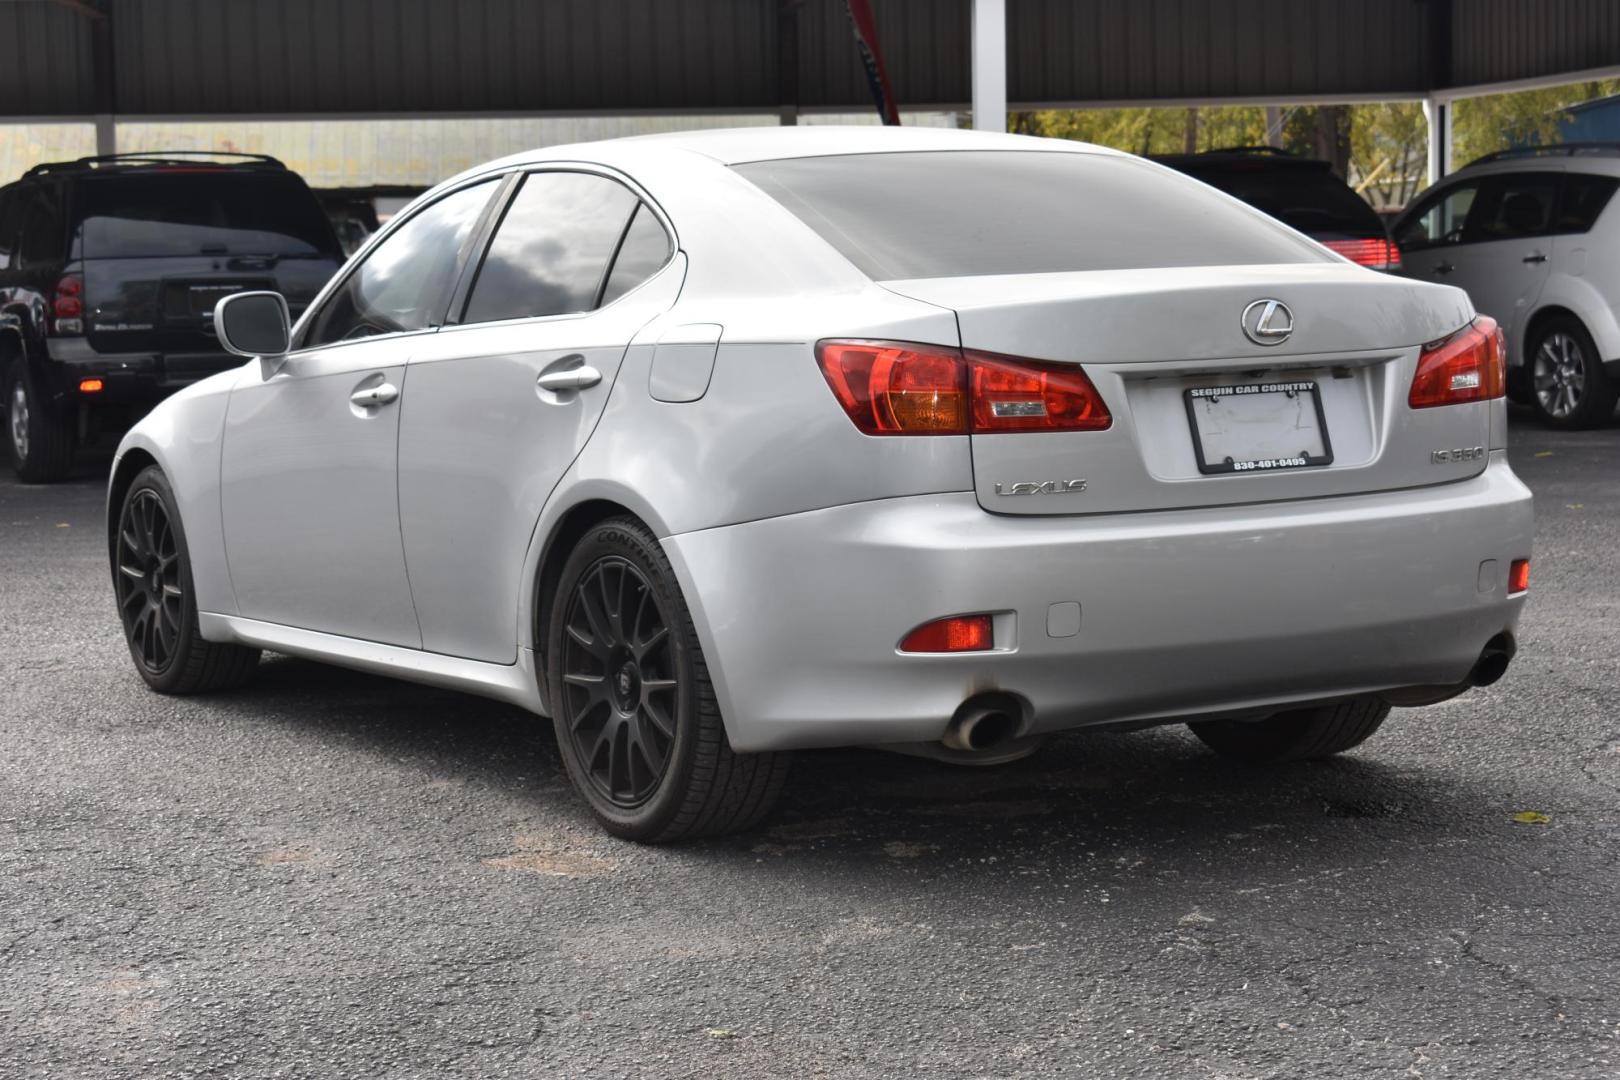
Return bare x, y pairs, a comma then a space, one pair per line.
1188, 389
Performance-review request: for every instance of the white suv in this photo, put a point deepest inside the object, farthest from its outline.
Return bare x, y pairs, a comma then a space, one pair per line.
1530, 234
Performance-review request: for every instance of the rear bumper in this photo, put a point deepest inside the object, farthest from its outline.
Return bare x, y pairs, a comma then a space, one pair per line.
1182, 612
140, 378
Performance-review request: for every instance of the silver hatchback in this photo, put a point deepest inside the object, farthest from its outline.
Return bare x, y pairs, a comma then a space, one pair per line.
718, 445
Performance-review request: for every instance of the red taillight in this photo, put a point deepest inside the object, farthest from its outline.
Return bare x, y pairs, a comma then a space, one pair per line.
959, 633
895, 388
1378, 253
66, 302
1470, 365
1519, 576
67, 305
1027, 395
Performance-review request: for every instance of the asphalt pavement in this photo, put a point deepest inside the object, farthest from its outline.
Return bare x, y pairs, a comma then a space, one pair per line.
336, 875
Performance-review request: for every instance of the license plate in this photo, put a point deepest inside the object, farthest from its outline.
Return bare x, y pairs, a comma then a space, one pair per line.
1258, 427
203, 298
186, 302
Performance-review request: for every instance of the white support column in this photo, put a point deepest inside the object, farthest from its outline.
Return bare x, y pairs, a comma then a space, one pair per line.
106, 135
990, 65
1437, 112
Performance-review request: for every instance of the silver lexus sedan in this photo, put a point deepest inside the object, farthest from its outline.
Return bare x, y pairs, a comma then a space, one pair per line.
717, 445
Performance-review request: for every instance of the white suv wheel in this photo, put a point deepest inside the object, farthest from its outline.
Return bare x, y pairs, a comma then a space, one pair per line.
1560, 374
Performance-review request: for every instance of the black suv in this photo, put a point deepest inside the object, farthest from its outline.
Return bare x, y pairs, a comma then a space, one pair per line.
109, 271
1299, 192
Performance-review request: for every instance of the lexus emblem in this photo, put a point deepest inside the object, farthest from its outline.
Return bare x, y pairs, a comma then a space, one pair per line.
1268, 322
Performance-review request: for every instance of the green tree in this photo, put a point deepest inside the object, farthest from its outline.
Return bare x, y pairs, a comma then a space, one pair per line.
1381, 150
1484, 125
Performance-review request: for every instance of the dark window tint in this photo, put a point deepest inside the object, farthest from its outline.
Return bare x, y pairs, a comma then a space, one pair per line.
552, 247
1585, 196
1441, 219
645, 249
10, 223
949, 214
1312, 200
405, 282
200, 213
1513, 207
42, 241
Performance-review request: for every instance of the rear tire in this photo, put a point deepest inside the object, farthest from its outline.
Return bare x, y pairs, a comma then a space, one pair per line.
1295, 735
41, 442
157, 604
1569, 387
638, 727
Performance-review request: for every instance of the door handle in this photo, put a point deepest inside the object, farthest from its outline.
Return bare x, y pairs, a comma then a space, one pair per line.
1538, 257
570, 379
1444, 268
371, 396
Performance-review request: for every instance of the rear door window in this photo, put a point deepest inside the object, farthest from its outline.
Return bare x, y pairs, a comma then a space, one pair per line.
551, 250
10, 223
42, 241
200, 212
958, 213
405, 282
1513, 207
642, 253
1583, 200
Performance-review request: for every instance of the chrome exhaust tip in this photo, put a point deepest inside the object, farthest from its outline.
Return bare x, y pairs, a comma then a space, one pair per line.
984, 722
1493, 660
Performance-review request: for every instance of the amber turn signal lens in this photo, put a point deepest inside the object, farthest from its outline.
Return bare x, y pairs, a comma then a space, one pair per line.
91, 386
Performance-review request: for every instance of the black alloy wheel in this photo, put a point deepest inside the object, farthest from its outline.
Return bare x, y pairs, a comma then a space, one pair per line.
638, 724
151, 597
154, 589
620, 683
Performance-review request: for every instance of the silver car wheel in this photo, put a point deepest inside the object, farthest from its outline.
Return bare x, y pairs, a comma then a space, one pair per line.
1560, 374
19, 421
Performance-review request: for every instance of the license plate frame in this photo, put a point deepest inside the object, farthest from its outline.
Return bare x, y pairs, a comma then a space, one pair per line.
1228, 464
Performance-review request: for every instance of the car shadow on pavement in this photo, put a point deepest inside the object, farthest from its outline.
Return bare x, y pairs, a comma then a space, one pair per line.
1105, 798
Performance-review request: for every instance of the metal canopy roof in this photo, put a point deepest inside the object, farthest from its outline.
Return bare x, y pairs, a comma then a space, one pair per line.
272, 58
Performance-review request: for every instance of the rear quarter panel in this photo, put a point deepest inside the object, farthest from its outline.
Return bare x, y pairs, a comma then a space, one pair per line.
767, 437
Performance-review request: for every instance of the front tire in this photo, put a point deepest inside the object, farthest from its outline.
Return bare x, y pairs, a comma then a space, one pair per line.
157, 601
1569, 387
637, 724
1296, 735
41, 442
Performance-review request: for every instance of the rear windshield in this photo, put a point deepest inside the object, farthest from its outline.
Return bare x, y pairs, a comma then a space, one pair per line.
1314, 201
964, 213
198, 213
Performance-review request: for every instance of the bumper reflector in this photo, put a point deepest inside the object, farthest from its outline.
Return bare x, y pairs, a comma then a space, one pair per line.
1519, 576
91, 386
959, 633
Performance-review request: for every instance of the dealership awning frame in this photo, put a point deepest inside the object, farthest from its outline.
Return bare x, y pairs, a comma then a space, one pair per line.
102, 61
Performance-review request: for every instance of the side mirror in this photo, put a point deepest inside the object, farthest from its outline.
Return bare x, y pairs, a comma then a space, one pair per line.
253, 324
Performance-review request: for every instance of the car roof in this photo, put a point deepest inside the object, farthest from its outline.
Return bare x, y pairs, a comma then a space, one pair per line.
736, 146
1602, 159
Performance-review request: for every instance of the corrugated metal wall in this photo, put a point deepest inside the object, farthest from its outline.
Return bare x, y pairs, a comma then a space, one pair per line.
1111, 50
425, 56
277, 57
45, 65
1497, 40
